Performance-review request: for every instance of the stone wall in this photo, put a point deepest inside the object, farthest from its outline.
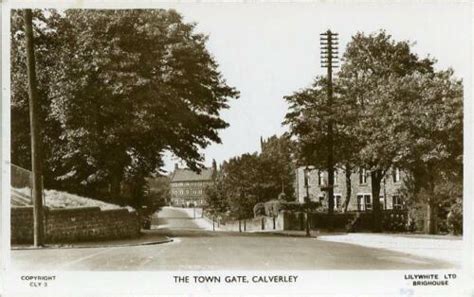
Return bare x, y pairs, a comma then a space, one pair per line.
391, 220
255, 224
75, 224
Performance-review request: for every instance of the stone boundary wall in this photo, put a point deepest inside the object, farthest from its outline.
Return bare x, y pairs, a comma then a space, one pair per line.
391, 220
255, 224
75, 224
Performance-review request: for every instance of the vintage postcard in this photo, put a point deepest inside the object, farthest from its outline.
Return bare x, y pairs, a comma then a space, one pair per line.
196, 148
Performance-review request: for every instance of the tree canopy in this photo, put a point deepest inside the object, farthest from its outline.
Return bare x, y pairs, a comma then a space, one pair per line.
393, 110
119, 87
246, 180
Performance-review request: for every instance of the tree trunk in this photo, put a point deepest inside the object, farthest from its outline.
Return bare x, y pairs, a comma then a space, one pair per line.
375, 179
431, 224
240, 225
348, 172
115, 183
35, 129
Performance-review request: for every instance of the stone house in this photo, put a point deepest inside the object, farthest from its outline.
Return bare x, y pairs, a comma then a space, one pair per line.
314, 182
188, 187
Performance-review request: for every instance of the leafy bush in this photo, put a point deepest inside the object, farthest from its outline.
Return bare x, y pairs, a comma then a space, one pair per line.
300, 207
455, 218
335, 221
272, 208
395, 220
259, 209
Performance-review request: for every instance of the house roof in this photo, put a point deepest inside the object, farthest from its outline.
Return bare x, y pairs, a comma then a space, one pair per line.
184, 174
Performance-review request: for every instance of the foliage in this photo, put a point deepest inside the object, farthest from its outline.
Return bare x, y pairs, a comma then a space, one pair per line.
393, 110
249, 179
259, 209
308, 117
395, 221
118, 87
278, 168
273, 207
216, 200
158, 192
374, 76
455, 218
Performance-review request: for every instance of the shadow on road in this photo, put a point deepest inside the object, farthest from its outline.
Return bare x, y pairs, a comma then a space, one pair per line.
204, 233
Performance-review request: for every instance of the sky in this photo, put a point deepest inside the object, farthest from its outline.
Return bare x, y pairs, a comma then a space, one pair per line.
270, 50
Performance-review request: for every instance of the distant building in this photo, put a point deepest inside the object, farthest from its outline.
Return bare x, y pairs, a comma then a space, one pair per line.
188, 187
361, 189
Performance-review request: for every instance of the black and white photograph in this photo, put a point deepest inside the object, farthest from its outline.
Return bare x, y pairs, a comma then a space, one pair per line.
248, 142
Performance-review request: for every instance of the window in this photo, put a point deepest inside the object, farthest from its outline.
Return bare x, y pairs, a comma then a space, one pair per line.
306, 178
337, 200
364, 202
321, 199
368, 202
362, 176
396, 175
320, 178
382, 202
397, 202
360, 204
335, 176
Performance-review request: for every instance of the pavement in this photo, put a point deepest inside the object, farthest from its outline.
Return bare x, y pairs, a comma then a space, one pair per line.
146, 238
446, 248
194, 247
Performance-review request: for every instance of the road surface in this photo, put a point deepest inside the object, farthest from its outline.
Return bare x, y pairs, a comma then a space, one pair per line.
195, 248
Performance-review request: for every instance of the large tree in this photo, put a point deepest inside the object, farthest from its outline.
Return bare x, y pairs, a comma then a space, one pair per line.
394, 110
125, 85
278, 166
248, 179
307, 119
373, 65
431, 110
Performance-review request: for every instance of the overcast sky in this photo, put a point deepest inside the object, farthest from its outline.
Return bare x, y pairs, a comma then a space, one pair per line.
268, 51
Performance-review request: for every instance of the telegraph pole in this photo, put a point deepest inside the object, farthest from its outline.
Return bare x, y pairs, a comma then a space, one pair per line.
36, 155
329, 60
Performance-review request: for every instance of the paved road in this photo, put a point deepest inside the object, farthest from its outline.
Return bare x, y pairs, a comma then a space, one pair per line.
177, 218
195, 249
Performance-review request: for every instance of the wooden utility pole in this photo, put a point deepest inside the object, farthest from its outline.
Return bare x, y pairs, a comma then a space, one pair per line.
35, 130
329, 43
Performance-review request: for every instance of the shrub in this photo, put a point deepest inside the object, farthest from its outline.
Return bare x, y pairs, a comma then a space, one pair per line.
395, 220
259, 209
272, 208
455, 218
301, 207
